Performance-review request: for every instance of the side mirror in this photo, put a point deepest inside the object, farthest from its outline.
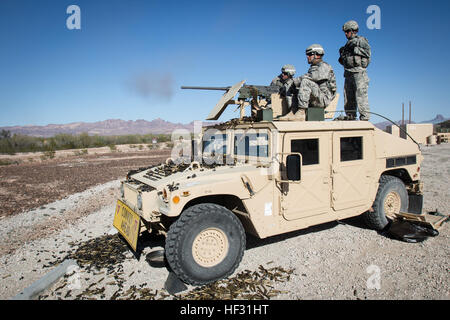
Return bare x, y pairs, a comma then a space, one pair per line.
293, 167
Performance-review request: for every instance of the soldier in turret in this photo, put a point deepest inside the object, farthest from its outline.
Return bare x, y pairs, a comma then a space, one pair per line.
355, 57
287, 84
316, 88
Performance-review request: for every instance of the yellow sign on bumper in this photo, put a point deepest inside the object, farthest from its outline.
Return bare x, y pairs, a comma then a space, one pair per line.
128, 223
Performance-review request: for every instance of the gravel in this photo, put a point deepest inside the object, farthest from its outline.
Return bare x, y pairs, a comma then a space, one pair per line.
336, 260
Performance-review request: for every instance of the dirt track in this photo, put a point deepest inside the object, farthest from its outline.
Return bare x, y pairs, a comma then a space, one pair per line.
34, 182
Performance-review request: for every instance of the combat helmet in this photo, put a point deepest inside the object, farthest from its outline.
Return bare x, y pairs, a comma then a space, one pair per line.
289, 69
351, 25
315, 48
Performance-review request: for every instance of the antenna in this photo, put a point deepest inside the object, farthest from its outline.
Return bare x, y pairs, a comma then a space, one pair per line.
403, 114
410, 112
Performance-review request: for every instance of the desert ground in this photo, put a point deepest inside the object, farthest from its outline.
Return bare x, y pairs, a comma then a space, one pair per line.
62, 208
33, 180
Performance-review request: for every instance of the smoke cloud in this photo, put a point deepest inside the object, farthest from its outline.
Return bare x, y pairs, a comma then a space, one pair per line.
149, 84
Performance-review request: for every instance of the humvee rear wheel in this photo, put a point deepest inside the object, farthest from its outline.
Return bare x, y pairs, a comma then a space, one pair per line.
391, 198
205, 244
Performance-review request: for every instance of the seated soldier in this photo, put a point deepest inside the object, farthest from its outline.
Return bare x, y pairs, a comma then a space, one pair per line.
316, 88
287, 83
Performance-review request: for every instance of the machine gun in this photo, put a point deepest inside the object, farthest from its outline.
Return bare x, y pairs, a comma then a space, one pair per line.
246, 91
256, 96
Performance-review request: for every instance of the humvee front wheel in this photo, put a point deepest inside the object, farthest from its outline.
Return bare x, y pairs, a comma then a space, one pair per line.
391, 198
205, 244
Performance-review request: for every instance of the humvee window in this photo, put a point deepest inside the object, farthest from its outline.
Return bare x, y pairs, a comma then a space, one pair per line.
351, 148
215, 144
309, 149
251, 144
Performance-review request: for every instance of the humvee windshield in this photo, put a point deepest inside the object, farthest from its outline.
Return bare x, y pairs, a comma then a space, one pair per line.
252, 144
242, 145
214, 144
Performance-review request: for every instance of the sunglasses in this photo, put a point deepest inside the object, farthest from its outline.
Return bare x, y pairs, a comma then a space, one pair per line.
310, 54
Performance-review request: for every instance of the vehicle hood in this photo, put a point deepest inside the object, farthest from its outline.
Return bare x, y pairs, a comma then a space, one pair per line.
167, 176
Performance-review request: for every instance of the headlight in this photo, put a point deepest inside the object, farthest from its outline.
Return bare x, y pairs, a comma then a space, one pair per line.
122, 191
139, 201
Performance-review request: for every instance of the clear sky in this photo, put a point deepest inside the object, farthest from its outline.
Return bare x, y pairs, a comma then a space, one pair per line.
130, 57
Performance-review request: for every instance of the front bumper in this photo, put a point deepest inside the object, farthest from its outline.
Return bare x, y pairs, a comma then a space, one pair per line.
151, 204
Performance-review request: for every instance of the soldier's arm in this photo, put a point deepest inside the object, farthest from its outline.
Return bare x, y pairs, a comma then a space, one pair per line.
291, 86
332, 81
319, 73
363, 48
341, 55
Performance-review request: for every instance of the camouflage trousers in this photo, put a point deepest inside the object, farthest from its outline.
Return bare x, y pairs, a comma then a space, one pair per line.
310, 95
355, 94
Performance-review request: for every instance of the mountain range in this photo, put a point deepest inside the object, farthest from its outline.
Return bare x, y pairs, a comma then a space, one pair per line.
123, 127
102, 128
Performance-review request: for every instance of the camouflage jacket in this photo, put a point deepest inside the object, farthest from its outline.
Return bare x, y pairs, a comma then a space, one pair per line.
288, 87
355, 55
322, 74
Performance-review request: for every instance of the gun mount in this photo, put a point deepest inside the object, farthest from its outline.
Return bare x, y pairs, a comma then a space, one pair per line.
266, 102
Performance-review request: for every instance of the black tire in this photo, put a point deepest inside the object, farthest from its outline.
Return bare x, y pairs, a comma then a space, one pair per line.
192, 241
391, 189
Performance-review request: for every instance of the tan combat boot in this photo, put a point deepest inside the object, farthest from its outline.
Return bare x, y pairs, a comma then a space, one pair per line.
300, 115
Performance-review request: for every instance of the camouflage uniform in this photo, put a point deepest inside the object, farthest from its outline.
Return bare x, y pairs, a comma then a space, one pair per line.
355, 57
317, 87
288, 87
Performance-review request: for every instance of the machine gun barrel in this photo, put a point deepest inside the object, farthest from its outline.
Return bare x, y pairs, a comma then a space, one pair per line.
246, 91
207, 88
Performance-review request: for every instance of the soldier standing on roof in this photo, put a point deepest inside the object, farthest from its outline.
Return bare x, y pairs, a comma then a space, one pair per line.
317, 87
287, 84
355, 57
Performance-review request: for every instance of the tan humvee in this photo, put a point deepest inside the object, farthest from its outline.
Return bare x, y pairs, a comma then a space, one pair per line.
266, 178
